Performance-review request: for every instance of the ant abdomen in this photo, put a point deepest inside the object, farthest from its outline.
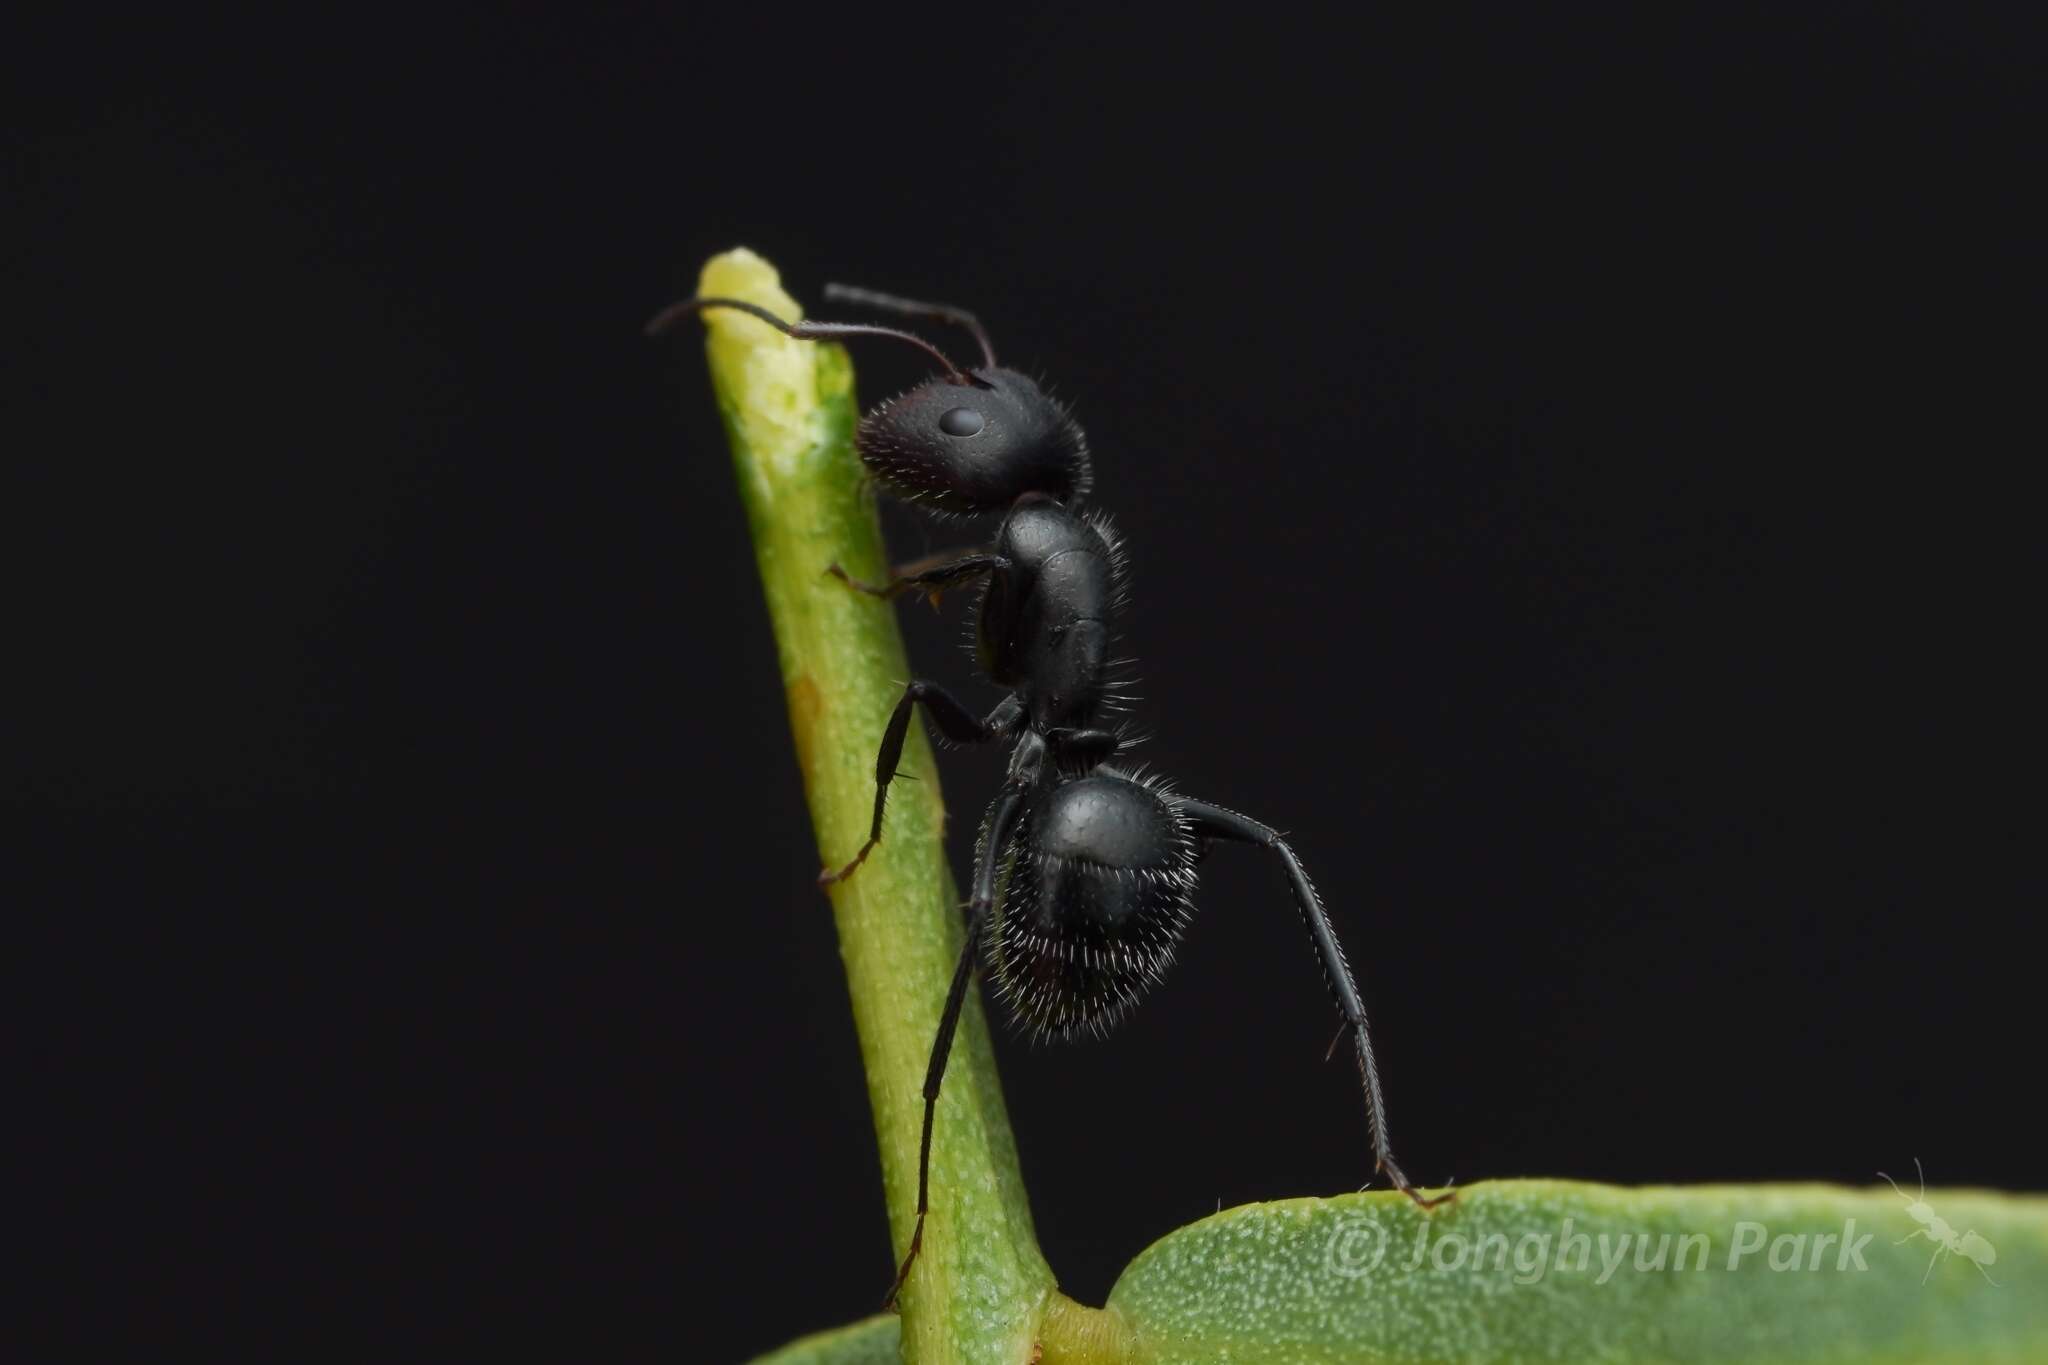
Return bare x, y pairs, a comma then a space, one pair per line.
976, 446
1099, 885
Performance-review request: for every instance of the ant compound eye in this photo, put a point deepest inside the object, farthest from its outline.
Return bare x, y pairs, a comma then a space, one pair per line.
960, 422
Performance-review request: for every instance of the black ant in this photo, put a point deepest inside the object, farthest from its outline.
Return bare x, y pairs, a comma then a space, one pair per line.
1084, 871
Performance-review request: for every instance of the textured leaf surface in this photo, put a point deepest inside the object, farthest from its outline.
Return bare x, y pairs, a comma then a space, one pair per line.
871, 1341
1804, 1273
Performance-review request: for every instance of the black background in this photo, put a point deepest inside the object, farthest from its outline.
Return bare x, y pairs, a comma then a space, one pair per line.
1575, 475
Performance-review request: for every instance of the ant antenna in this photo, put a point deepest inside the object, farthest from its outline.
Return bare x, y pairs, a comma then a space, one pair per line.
941, 312
1923, 1182
806, 331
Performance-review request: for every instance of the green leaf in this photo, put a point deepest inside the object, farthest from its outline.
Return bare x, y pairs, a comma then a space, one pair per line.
871, 1341
1500, 1275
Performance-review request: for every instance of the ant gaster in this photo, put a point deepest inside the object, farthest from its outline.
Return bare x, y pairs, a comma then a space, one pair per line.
1084, 869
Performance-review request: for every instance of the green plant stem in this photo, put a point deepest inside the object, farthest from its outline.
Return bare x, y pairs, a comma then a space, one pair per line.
790, 411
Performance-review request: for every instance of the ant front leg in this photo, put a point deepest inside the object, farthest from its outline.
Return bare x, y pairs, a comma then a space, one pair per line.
1214, 822
1001, 820
932, 575
955, 722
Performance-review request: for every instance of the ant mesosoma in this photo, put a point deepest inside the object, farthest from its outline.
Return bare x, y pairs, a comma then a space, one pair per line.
1084, 871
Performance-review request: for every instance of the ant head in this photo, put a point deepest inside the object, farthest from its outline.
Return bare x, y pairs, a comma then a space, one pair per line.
967, 441
976, 446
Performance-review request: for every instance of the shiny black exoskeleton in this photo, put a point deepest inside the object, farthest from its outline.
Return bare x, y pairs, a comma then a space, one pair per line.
1084, 870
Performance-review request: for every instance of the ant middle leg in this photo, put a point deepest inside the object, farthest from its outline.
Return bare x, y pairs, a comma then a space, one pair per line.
955, 722
1214, 822
932, 575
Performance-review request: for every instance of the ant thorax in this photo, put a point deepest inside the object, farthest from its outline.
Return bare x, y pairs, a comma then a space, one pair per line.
1046, 624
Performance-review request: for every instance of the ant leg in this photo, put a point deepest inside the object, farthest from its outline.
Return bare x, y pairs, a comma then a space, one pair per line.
955, 722
1002, 817
932, 575
1214, 822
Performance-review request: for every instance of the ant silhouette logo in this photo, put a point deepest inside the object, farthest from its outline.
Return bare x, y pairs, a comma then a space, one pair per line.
1947, 1241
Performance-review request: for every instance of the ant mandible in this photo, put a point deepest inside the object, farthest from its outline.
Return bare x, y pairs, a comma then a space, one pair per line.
1084, 873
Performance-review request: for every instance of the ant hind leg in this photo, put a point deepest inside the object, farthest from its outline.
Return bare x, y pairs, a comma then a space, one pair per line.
1214, 822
